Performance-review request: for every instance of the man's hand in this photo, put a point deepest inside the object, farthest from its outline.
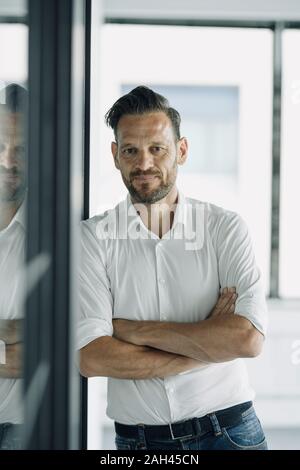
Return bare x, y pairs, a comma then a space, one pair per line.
12, 369
125, 329
11, 335
11, 331
225, 304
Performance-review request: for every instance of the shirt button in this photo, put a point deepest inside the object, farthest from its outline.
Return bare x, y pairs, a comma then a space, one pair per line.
162, 281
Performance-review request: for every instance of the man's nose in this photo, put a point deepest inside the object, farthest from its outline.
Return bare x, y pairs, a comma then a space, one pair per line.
145, 160
8, 157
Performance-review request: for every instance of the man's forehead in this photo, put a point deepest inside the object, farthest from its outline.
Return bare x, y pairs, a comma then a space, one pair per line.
11, 122
135, 126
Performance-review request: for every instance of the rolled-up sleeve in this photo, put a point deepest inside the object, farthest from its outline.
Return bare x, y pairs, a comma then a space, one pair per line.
238, 268
95, 312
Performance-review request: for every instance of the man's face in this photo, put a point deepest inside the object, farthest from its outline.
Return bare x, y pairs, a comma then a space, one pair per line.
12, 159
147, 154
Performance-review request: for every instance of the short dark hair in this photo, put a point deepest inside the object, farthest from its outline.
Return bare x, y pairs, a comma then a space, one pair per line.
15, 98
142, 100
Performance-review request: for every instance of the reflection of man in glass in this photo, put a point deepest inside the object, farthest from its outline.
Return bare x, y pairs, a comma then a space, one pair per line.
168, 322
12, 236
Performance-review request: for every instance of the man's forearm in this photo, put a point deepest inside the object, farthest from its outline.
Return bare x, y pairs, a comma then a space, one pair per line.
110, 357
10, 372
217, 339
11, 331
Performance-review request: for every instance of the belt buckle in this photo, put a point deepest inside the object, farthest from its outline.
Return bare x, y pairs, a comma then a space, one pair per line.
179, 437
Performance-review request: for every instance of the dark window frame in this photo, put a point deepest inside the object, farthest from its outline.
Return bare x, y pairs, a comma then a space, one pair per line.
52, 213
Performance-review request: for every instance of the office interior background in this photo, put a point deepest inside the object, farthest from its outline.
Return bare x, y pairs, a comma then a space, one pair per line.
231, 68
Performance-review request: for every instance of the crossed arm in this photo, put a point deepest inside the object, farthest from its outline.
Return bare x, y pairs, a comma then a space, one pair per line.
145, 349
148, 349
224, 336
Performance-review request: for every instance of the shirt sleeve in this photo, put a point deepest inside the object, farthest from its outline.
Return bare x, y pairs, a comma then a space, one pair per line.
96, 303
238, 268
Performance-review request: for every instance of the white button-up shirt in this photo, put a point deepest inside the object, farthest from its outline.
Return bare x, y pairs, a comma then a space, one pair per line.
12, 252
129, 272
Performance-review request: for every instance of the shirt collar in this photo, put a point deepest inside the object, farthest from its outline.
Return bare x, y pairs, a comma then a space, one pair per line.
180, 216
21, 213
19, 216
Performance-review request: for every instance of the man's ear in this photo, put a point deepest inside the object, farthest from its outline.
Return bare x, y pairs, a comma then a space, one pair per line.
182, 150
114, 151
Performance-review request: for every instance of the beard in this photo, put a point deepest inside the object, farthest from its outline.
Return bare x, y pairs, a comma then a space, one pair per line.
145, 194
12, 185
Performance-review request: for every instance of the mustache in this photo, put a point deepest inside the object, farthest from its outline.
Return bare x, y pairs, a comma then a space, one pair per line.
11, 172
143, 173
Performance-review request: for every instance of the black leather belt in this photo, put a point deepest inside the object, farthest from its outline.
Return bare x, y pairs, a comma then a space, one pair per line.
195, 426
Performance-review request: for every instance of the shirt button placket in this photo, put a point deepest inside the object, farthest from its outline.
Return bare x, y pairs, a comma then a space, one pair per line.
161, 283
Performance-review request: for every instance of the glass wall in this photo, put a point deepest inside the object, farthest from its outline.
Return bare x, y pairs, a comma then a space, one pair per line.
13, 196
218, 79
42, 91
230, 143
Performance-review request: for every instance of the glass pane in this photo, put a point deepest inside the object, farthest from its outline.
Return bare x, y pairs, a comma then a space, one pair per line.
211, 76
13, 186
229, 130
290, 169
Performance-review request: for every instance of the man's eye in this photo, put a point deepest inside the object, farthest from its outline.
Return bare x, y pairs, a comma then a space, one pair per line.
20, 149
129, 151
157, 149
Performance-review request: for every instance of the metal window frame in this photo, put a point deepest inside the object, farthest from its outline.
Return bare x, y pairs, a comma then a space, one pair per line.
267, 24
13, 20
86, 198
276, 160
50, 216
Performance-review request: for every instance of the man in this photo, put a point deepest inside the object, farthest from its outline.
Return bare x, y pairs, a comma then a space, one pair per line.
12, 246
171, 298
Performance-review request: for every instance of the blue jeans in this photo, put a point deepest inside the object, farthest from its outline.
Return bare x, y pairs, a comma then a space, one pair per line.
10, 436
248, 435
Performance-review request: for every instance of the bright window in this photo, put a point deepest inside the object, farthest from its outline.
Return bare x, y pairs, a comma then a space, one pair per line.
289, 248
220, 80
229, 127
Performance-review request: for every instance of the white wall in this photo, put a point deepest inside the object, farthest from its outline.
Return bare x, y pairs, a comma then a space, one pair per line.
275, 374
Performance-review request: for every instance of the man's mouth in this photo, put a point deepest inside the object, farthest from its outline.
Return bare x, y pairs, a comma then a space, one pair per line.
9, 176
145, 178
